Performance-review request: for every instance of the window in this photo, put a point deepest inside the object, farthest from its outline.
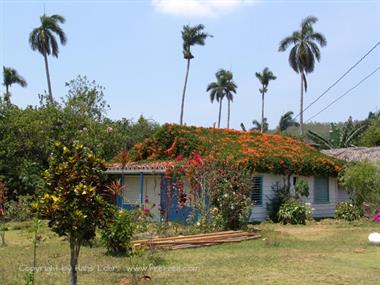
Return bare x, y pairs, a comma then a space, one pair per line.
257, 192
321, 190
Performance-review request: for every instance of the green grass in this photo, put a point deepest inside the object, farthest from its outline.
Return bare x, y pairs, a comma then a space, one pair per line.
320, 253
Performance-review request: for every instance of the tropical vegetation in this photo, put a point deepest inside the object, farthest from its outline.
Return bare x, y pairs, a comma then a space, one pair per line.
303, 54
10, 77
43, 40
191, 35
264, 78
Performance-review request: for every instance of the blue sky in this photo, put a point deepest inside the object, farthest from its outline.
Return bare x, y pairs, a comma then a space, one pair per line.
134, 49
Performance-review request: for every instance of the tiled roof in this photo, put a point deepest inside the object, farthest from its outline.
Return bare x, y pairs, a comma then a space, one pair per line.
134, 167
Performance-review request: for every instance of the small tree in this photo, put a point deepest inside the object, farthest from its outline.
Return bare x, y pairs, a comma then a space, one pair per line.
71, 198
362, 181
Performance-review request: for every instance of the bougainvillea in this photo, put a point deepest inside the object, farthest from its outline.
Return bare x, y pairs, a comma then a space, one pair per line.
258, 152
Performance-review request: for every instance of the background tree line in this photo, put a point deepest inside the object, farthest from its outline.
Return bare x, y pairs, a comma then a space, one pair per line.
27, 135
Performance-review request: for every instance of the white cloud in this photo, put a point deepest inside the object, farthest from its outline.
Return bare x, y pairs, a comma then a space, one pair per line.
199, 8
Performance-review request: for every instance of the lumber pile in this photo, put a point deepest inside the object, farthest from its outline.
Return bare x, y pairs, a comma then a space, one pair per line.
198, 240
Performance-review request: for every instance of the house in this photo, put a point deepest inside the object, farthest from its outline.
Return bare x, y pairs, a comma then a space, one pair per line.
353, 154
271, 157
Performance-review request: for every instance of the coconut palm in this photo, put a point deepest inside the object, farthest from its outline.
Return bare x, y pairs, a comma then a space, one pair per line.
10, 76
287, 121
191, 36
217, 92
264, 77
229, 89
42, 39
303, 54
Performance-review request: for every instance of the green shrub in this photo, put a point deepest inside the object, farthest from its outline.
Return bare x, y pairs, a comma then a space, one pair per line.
117, 234
20, 210
293, 212
348, 211
280, 195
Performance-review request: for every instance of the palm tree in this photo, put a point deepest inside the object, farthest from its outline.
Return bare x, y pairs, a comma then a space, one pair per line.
229, 89
303, 53
217, 92
287, 121
190, 36
339, 137
264, 77
262, 127
10, 76
43, 40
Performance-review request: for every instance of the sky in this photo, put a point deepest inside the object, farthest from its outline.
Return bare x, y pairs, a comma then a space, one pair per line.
134, 50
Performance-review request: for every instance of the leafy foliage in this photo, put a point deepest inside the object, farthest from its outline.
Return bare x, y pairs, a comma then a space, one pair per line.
20, 210
371, 136
27, 135
256, 151
339, 137
193, 35
10, 77
362, 181
71, 198
117, 233
287, 121
348, 211
293, 212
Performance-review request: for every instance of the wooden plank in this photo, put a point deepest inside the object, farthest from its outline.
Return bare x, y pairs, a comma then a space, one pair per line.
210, 237
186, 236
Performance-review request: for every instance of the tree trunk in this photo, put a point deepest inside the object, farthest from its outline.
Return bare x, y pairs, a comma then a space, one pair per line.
184, 91
48, 77
74, 253
228, 114
301, 106
262, 111
220, 112
7, 96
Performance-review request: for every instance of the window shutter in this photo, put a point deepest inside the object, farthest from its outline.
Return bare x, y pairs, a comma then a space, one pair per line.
321, 190
257, 192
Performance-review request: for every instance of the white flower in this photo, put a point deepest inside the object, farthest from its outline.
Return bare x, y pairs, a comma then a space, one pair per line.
198, 224
225, 195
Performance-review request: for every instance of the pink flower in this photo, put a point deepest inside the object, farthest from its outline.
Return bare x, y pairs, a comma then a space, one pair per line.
146, 211
146, 200
377, 217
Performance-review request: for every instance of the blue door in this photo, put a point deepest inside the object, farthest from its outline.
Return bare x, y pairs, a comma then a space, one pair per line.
170, 209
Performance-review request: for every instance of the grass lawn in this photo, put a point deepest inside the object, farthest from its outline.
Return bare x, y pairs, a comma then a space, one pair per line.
327, 252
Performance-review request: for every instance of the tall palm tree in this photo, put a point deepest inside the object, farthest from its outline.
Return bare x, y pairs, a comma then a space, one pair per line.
287, 121
10, 76
217, 92
191, 36
229, 89
303, 54
264, 77
42, 39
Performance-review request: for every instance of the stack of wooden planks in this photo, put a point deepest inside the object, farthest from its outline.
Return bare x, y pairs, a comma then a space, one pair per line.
198, 240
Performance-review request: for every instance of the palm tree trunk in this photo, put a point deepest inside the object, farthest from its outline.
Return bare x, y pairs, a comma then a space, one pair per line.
301, 105
228, 114
48, 77
262, 111
220, 112
184, 91
7, 96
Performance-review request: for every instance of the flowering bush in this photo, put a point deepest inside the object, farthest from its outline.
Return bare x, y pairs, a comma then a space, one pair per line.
293, 212
255, 151
348, 211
